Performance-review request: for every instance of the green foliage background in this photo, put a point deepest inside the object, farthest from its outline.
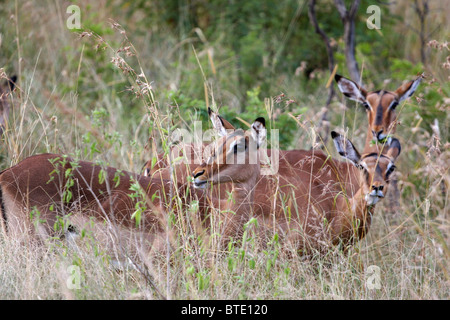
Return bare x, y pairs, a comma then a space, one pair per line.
247, 50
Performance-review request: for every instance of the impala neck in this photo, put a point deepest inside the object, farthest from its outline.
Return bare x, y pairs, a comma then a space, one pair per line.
244, 195
369, 140
237, 210
356, 217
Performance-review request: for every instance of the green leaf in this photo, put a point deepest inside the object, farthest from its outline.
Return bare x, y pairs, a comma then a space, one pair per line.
154, 159
190, 270
101, 176
137, 215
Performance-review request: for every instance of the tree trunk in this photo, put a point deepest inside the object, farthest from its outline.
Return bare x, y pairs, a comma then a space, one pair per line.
324, 123
422, 13
348, 19
350, 58
313, 19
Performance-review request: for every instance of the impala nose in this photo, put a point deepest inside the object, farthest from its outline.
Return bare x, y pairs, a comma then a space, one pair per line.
378, 191
376, 188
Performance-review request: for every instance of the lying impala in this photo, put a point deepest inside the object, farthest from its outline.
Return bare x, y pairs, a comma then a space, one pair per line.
325, 201
380, 105
321, 212
41, 190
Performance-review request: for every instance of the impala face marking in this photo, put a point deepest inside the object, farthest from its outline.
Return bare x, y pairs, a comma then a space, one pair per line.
380, 105
376, 168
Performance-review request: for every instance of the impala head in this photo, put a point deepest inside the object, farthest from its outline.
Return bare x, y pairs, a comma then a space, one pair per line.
219, 124
376, 168
5, 89
380, 105
235, 157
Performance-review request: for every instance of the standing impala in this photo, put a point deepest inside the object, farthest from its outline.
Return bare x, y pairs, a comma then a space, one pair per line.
40, 191
380, 105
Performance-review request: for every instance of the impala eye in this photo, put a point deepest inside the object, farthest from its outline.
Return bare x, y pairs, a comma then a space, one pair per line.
198, 174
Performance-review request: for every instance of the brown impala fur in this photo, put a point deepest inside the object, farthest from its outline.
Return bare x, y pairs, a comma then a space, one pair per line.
380, 105
38, 186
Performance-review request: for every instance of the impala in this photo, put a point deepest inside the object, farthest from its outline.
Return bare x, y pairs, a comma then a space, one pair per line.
267, 198
235, 161
380, 105
307, 177
40, 191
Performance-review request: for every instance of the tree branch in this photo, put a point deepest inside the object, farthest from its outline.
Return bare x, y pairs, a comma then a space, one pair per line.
348, 19
354, 9
313, 19
324, 124
340, 6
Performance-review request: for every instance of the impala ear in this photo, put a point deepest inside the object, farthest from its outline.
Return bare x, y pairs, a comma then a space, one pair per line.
346, 148
350, 89
259, 131
219, 123
407, 89
394, 149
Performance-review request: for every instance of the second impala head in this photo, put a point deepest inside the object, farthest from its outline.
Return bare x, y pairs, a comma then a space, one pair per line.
380, 105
